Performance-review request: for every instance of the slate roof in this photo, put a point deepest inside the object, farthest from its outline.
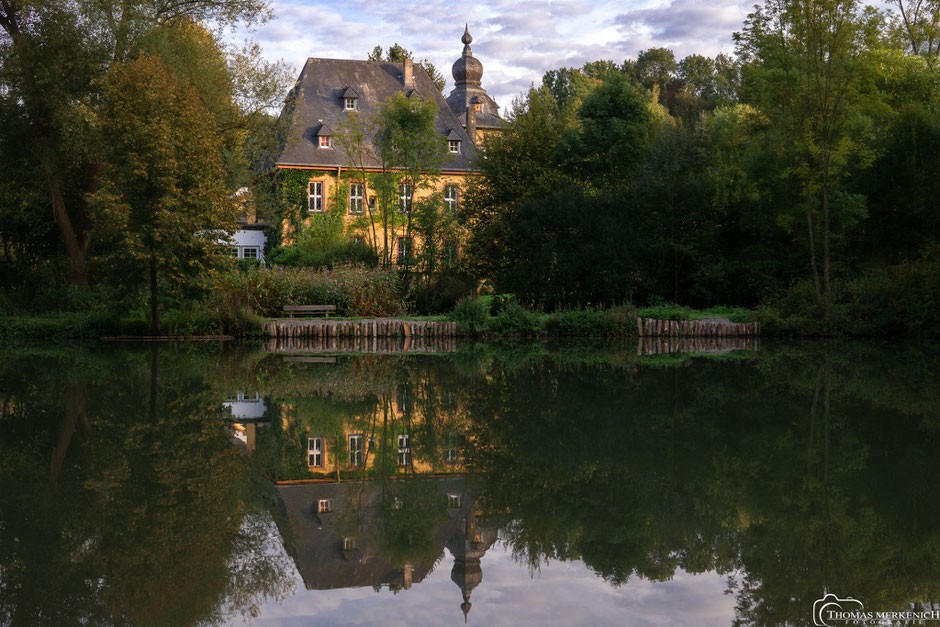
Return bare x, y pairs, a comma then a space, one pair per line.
315, 541
318, 100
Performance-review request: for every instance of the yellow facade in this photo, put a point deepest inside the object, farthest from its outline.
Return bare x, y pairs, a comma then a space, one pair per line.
355, 211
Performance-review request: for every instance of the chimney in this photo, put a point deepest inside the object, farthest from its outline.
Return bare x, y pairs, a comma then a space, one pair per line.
472, 111
408, 77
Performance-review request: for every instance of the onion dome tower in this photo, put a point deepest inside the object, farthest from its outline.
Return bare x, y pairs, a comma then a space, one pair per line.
468, 92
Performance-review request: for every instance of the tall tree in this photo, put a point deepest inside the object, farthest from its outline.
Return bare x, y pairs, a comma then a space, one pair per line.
163, 198
52, 56
804, 63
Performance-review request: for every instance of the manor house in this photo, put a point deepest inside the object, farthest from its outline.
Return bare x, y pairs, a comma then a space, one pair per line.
330, 90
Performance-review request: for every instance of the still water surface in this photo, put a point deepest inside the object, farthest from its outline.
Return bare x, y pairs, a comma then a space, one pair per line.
492, 485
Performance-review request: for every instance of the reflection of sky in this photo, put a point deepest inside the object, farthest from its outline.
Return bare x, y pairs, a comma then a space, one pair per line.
562, 593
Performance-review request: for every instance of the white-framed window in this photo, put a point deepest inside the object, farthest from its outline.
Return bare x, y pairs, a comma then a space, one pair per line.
404, 449
449, 252
450, 455
450, 198
315, 452
355, 449
404, 249
249, 253
315, 197
349, 104
356, 193
405, 192
349, 544
371, 443
358, 239
326, 141
453, 145
324, 506
453, 501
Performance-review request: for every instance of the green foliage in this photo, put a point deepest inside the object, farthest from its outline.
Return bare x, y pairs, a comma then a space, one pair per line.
892, 301
499, 302
614, 322
516, 320
471, 315
356, 291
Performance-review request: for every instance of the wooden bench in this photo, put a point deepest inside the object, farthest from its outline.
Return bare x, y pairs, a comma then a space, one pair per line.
310, 310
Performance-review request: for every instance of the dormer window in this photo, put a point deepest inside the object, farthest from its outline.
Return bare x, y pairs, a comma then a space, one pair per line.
350, 99
453, 141
324, 136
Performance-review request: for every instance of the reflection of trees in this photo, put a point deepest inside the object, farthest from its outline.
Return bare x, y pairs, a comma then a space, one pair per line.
770, 468
380, 399
122, 498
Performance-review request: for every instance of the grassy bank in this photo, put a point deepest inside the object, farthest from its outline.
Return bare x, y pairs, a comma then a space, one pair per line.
502, 316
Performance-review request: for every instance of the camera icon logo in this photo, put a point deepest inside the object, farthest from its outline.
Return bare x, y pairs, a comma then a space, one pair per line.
831, 608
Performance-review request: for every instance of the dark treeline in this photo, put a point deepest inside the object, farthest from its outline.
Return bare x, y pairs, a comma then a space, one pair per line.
803, 169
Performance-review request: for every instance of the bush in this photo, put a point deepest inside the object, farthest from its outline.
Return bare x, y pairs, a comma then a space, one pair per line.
471, 315
309, 255
615, 322
499, 302
897, 300
354, 290
514, 319
446, 288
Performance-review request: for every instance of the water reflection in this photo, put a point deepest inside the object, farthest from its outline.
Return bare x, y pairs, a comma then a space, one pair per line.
129, 476
384, 534
120, 490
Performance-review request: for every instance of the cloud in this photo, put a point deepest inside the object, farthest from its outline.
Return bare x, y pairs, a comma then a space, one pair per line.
516, 42
687, 26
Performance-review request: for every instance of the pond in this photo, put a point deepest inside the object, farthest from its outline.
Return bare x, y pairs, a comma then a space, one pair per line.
534, 484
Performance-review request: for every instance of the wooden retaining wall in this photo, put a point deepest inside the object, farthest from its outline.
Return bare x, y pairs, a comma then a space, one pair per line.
377, 327
696, 328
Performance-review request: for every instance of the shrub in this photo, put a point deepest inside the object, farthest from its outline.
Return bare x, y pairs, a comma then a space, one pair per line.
615, 322
514, 319
499, 302
897, 300
354, 290
470, 314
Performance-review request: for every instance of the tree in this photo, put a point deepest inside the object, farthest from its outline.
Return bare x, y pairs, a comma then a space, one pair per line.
163, 199
804, 63
398, 54
412, 153
51, 59
918, 22
656, 66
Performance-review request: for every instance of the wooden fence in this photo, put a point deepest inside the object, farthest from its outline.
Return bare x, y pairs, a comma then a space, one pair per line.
696, 328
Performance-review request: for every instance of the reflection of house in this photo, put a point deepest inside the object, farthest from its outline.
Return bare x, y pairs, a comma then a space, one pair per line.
247, 412
394, 442
333, 533
468, 545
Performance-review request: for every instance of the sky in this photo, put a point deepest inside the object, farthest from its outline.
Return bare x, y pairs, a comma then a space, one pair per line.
561, 593
517, 42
